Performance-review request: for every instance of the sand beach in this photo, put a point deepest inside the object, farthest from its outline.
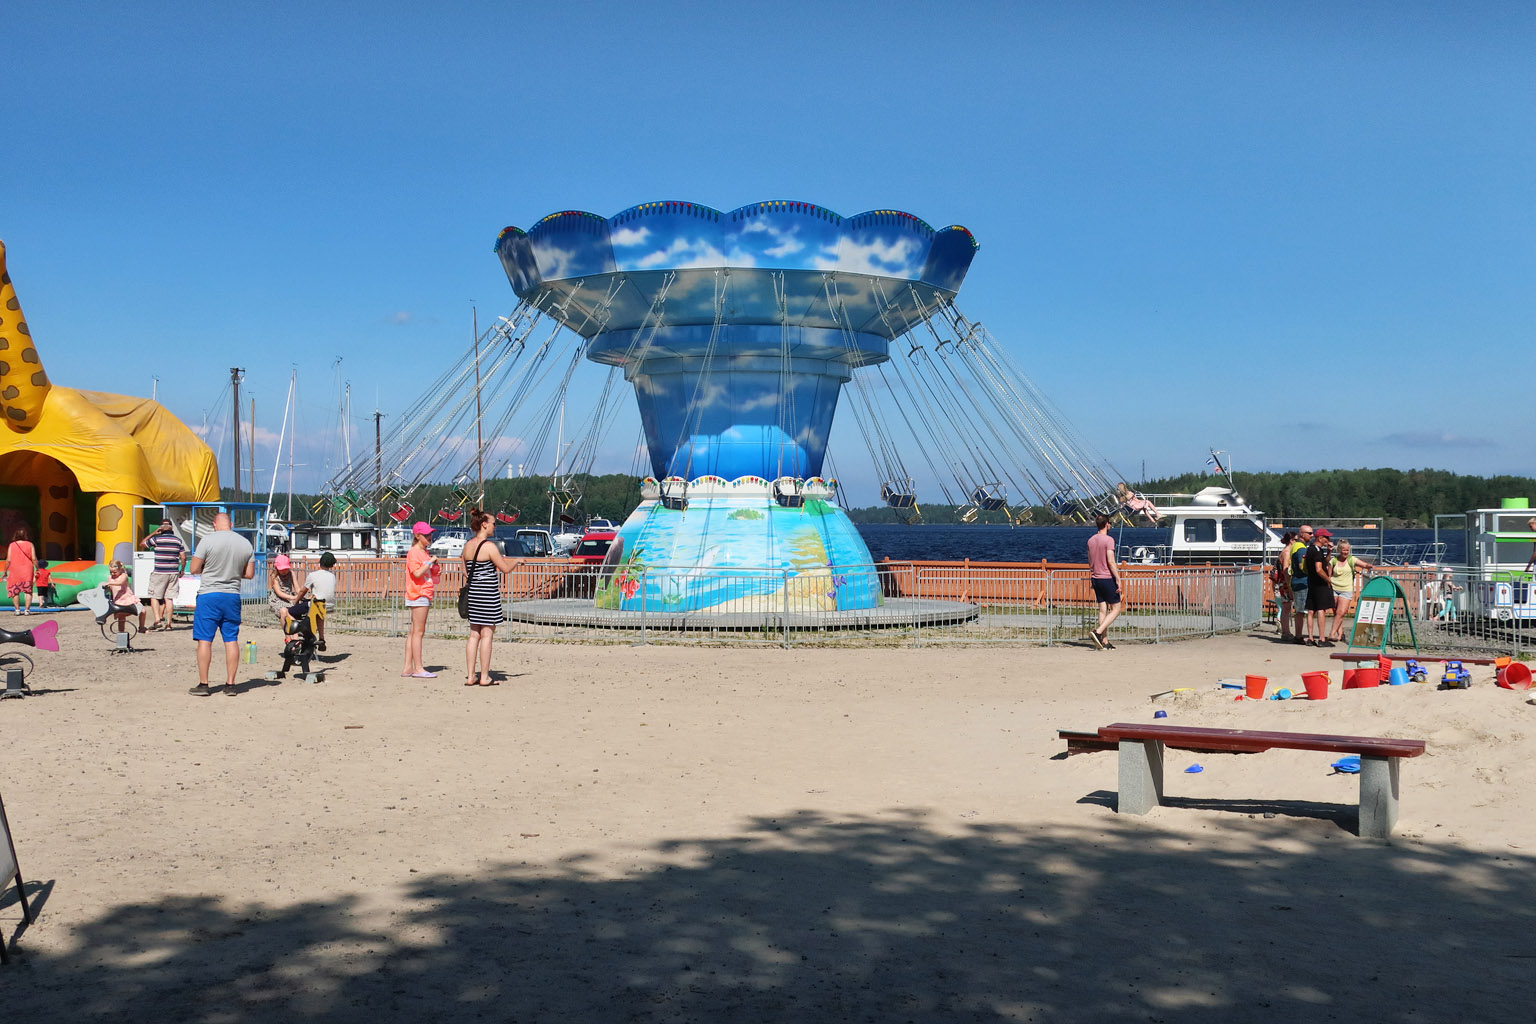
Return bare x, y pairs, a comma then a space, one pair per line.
674, 833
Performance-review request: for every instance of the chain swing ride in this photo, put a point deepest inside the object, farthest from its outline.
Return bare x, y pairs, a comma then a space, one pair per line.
739, 331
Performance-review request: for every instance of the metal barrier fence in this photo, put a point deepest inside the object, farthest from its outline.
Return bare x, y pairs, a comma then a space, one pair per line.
1462, 609
903, 603
1455, 608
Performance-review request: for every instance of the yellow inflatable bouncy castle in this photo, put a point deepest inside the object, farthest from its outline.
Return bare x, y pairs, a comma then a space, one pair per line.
74, 463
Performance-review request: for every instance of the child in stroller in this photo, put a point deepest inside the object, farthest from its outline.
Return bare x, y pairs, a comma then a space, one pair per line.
298, 641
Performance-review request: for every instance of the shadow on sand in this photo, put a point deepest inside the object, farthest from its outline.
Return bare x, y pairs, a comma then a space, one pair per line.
809, 918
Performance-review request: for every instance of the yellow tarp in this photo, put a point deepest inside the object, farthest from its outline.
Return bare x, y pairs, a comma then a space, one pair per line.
120, 444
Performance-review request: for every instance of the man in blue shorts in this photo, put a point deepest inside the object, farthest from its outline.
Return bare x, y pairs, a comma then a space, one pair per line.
223, 558
1104, 574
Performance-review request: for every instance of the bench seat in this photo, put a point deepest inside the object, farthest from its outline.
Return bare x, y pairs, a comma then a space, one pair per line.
1141, 762
1373, 655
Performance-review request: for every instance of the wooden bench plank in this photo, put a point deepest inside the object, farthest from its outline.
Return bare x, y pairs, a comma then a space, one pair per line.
1253, 740
1083, 741
1396, 658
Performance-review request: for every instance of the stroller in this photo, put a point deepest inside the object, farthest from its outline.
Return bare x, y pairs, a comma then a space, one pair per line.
298, 644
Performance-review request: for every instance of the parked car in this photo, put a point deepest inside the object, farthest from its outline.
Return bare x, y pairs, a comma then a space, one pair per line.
593, 547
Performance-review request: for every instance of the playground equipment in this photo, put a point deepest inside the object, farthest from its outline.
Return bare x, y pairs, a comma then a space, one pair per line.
59, 445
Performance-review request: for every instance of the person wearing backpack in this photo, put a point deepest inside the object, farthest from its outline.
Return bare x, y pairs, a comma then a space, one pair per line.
1296, 579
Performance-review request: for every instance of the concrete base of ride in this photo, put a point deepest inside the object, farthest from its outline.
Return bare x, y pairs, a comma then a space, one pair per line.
894, 613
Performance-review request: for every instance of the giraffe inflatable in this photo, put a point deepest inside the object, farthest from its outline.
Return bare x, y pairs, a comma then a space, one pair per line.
73, 464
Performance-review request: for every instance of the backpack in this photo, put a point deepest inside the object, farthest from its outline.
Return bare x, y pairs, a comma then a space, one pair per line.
1299, 562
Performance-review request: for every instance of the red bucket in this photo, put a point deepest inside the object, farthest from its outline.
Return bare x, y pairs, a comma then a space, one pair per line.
1316, 684
1365, 677
1349, 679
1514, 676
1254, 686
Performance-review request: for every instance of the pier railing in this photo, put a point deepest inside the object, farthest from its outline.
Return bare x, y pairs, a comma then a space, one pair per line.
890, 603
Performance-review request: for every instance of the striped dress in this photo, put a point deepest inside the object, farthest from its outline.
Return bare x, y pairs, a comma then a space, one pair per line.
484, 582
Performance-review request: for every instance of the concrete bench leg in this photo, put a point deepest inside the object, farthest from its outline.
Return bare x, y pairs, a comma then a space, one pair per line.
1378, 796
1141, 776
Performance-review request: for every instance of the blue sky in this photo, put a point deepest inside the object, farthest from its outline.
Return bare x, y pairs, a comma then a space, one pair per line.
1301, 232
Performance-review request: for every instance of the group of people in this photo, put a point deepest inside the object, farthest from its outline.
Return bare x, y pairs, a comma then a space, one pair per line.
1315, 579
484, 566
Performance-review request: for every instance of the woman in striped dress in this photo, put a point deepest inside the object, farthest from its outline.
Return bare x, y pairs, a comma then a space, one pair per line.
483, 565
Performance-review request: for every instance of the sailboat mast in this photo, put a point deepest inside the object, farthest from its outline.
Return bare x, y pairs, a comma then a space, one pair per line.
252, 449
277, 454
479, 437
293, 398
234, 382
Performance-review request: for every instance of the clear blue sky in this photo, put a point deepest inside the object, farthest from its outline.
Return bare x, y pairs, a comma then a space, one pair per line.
1302, 232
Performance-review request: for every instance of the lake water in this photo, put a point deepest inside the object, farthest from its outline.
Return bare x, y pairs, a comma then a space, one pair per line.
1052, 543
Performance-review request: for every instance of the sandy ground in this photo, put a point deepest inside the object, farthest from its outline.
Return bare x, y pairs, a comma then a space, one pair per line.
748, 834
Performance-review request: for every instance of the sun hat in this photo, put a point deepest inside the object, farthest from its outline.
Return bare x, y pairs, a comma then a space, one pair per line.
421, 528
281, 562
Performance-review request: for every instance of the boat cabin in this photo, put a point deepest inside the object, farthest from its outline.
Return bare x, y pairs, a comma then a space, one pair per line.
354, 539
1214, 525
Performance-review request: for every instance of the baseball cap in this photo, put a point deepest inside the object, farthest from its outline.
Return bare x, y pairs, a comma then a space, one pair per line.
1322, 533
281, 562
421, 528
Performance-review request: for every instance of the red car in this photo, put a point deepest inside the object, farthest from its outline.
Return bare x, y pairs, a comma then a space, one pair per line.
593, 547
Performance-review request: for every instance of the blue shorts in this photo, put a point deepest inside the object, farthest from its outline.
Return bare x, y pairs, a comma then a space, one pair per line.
216, 612
1106, 591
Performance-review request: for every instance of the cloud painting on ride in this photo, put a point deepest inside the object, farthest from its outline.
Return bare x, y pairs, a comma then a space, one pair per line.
74, 463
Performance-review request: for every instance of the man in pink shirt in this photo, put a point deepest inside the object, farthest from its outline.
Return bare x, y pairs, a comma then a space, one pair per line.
1105, 577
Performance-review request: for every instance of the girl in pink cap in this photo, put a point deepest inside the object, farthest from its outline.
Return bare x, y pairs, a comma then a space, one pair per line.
283, 591
421, 575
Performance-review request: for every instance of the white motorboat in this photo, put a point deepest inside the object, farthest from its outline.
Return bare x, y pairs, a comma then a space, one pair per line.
1214, 525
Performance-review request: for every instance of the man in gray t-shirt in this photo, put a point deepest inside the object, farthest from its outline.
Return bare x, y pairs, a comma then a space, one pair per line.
223, 558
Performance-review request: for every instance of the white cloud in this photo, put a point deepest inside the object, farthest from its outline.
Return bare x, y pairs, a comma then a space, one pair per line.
400, 318
630, 236
874, 258
554, 262
683, 253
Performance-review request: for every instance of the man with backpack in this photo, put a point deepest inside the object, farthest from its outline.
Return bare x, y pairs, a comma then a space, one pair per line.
1294, 576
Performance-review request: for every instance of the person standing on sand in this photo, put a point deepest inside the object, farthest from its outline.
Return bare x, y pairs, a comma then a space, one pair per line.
170, 560
1296, 577
421, 575
222, 559
1319, 588
20, 568
1342, 580
1531, 525
484, 565
1104, 574
1282, 584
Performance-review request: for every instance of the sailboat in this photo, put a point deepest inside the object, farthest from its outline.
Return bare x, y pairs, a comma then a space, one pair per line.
351, 535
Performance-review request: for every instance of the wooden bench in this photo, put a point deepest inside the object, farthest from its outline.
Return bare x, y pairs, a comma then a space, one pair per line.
1141, 763
1371, 656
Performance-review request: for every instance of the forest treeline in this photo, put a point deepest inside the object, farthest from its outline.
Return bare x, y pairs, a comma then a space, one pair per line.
1405, 498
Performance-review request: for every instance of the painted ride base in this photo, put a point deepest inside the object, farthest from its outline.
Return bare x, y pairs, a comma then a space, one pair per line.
733, 549
893, 613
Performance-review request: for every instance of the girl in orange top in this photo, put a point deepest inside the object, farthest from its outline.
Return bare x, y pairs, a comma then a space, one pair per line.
421, 575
